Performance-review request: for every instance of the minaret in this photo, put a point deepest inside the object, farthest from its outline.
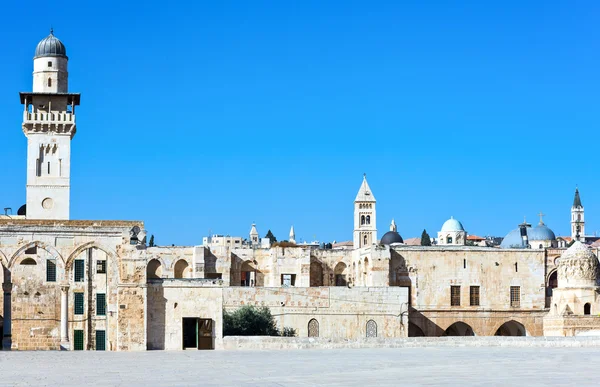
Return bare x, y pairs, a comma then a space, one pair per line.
254, 239
365, 216
49, 125
292, 238
577, 219
393, 226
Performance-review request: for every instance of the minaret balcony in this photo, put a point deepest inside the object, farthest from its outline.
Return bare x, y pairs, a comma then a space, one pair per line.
58, 122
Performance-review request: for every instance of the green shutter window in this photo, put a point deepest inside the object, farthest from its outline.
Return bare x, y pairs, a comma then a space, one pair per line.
79, 269
78, 303
100, 304
101, 267
50, 270
78, 339
100, 340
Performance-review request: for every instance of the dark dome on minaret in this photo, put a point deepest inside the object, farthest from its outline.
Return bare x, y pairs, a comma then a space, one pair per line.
50, 46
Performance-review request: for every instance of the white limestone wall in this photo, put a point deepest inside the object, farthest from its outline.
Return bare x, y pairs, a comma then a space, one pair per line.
53, 68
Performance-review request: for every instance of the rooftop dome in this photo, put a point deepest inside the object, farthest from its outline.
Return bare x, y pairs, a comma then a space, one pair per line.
50, 46
391, 237
452, 225
541, 232
513, 239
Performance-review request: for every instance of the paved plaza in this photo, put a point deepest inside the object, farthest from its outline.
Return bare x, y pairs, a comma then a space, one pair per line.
351, 367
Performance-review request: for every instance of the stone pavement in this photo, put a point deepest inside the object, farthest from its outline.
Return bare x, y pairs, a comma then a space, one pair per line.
489, 366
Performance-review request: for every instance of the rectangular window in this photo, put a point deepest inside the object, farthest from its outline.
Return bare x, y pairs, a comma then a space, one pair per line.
79, 270
78, 303
101, 267
100, 304
50, 270
78, 339
515, 296
100, 340
474, 295
454, 295
49, 64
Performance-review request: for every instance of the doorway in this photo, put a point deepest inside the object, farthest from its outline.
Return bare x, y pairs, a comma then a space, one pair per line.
198, 333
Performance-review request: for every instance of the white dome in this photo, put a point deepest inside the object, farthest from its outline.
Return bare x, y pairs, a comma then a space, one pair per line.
452, 225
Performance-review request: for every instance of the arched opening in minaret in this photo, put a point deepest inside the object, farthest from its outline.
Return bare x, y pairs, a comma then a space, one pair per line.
368, 219
362, 220
49, 82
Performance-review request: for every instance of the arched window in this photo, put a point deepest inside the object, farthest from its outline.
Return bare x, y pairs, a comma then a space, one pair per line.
180, 268
368, 219
154, 269
313, 328
365, 240
587, 308
49, 82
579, 217
449, 240
362, 219
371, 328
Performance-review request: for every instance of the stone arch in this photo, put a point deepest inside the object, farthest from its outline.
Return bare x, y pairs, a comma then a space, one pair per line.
154, 269
3, 260
49, 248
316, 272
313, 328
511, 328
459, 328
414, 330
340, 274
181, 269
79, 249
371, 328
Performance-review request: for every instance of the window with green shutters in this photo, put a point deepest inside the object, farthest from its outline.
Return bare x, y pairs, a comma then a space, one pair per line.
100, 340
78, 303
78, 339
101, 304
79, 270
50, 270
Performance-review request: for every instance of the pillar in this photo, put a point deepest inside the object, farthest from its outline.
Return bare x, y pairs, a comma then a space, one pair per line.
7, 334
64, 317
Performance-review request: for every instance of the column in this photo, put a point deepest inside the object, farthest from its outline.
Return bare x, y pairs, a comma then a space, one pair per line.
7, 334
64, 317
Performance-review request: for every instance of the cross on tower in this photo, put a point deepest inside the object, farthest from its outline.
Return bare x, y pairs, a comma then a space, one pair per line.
541, 215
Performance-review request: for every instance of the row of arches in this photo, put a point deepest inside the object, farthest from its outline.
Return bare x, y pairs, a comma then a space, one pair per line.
155, 269
460, 328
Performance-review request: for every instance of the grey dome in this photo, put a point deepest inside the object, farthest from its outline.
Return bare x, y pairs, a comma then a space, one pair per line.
513, 239
391, 237
541, 232
50, 46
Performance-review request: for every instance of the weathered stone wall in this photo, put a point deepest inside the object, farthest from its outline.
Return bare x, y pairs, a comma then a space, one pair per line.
340, 312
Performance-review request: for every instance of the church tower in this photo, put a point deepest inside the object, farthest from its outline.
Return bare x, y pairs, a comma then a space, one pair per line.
365, 217
577, 219
49, 125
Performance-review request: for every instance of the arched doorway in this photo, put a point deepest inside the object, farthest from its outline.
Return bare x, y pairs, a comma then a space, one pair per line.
459, 329
313, 328
181, 269
154, 269
340, 274
511, 328
316, 273
587, 308
414, 330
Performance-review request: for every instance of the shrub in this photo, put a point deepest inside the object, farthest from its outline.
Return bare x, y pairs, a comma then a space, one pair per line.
249, 321
289, 332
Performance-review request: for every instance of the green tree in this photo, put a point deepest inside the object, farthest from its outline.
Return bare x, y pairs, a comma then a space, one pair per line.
271, 237
151, 243
425, 239
249, 321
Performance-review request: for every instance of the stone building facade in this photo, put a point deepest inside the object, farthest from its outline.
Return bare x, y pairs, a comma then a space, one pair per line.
96, 285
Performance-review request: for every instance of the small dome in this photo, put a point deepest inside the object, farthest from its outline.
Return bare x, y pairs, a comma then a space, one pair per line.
541, 232
50, 46
452, 225
391, 237
578, 266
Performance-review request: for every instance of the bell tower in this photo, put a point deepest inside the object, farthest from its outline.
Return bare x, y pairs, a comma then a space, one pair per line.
577, 219
365, 217
49, 125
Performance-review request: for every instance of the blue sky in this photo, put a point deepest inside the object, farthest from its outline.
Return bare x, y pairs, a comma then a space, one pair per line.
199, 116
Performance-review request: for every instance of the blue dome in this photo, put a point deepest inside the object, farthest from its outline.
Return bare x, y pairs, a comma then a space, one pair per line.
50, 46
513, 239
541, 232
452, 225
391, 237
